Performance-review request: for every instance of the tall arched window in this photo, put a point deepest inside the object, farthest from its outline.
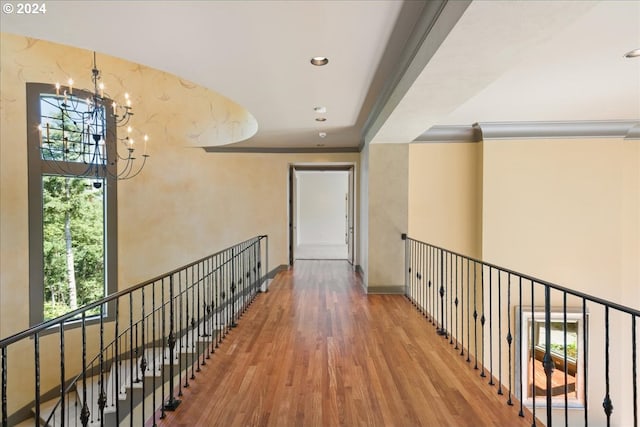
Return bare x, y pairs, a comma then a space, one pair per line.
72, 216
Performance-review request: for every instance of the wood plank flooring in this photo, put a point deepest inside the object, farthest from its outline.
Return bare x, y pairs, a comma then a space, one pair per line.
317, 351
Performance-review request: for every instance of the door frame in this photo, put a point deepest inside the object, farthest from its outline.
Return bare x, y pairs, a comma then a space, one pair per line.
351, 212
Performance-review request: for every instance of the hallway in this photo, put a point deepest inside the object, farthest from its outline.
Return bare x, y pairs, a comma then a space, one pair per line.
316, 350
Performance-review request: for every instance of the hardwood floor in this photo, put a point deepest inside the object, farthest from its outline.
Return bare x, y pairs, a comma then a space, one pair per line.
317, 351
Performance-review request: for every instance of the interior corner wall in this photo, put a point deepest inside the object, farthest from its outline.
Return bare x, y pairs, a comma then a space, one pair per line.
363, 215
387, 216
445, 195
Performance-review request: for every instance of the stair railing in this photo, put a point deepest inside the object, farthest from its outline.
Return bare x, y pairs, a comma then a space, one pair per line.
147, 342
563, 356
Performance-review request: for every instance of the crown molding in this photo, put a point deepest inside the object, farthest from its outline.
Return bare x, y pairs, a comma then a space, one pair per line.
485, 131
559, 129
281, 150
450, 134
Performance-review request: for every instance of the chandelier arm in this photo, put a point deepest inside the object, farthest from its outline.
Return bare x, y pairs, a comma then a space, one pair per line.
144, 161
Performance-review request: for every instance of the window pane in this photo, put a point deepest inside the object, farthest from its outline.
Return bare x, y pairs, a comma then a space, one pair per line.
557, 338
67, 129
73, 243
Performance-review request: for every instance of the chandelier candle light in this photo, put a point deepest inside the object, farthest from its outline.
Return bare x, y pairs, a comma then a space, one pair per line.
80, 135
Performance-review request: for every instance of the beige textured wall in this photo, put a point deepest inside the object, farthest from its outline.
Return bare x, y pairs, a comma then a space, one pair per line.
445, 195
568, 211
388, 201
186, 203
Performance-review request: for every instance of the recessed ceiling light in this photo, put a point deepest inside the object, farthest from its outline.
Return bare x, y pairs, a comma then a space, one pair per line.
319, 60
632, 54
320, 109
322, 134
321, 119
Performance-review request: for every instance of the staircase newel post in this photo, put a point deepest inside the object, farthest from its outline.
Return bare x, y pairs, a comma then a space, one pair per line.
407, 265
172, 403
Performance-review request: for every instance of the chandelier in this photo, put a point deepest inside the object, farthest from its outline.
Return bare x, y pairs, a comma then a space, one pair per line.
79, 133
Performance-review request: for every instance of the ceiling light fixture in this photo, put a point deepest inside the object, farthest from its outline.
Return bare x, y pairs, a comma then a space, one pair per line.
635, 53
319, 61
80, 129
321, 119
322, 134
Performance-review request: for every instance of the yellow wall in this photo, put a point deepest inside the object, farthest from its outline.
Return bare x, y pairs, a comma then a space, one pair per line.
566, 211
445, 195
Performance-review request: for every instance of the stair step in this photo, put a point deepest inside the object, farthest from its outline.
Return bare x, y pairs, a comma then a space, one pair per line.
128, 375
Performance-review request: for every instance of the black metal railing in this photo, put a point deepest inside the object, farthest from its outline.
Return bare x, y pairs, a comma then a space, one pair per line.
129, 363
549, 349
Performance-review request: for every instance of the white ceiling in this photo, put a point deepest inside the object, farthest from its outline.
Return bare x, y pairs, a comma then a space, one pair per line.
503, 61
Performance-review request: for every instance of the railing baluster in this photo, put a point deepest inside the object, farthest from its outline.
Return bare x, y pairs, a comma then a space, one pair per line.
427, 283
499, 333
634, 358
468, 316
131, 357
432, 287
62, 375
172, 403
207, 303
585, 346
521, 333
36, 351
143, 350
565, 367
199, 319
115, 359
456, 302
607, 404
490, 327
5, 412
450, 295
509, 338
234, 279
163, 357
102, 398
475, 314
482, 318
194, 353
154, 350
181, 334
442, 331
420, 278
84, 414
547, 362
533, 355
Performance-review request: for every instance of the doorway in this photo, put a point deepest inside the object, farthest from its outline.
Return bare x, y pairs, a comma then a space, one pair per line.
321, 211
